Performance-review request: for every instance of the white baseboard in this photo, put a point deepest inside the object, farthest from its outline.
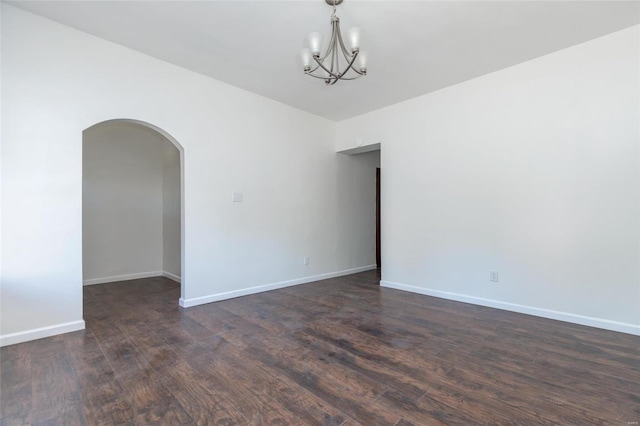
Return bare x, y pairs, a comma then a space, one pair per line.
622, 327
126, 277
187, 303
171, 276
40, 333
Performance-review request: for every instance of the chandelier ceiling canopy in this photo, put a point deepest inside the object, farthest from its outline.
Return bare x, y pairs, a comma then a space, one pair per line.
339, 61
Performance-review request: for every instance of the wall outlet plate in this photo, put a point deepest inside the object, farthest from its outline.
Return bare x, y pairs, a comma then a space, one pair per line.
493, 276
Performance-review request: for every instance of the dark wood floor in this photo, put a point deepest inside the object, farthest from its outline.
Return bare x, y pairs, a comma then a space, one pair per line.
336, 352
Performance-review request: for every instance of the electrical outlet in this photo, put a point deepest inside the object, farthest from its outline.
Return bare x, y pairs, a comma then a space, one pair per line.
493, 276
305, 260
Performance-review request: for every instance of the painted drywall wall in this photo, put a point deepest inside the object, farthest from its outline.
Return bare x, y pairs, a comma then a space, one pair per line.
1, 138
171, 237
532, 171
57, 82
127, 171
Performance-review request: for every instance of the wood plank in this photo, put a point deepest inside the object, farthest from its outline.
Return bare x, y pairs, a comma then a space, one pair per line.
16, 385
54, 381
195, 394
143, 387
201, 397
101, 392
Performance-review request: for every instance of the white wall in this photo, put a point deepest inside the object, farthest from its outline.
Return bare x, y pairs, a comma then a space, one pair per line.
127, 170
532, 171
57, 82
1, 161
171, 217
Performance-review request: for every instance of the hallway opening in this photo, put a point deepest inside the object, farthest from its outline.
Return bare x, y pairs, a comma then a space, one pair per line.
132, 206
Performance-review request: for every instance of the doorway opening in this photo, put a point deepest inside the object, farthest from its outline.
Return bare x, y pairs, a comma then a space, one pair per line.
132, 203
360, 192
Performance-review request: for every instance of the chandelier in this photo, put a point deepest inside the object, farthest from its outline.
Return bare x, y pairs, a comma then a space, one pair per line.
337, 60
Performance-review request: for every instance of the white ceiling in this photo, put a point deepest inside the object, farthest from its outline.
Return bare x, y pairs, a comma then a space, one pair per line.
414, 47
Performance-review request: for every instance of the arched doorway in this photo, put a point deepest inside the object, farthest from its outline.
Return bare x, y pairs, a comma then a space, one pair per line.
132, 203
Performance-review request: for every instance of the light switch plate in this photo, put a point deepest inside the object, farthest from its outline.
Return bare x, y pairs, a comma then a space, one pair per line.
236, 197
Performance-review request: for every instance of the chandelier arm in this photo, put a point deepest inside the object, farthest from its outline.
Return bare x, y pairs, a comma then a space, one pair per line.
317, 76
350, 67
345, 51
331, 45
326, 54
332, 75
312, 70
317, 66
335, 59
330, 72
350, 78
360, 74
336, 38
326, 78
350, 57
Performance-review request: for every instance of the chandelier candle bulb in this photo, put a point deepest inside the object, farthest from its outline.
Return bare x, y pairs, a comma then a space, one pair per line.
315, 43
362, 62
354, 38
306, 58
